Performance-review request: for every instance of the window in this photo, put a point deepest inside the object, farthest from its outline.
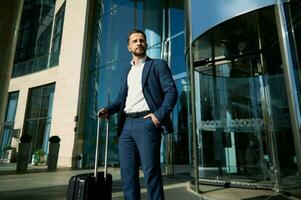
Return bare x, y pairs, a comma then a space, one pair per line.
9, 120
57, 35
38, 116
33, 43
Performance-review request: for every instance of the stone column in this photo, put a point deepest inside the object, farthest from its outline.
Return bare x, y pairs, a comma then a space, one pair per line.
10, 17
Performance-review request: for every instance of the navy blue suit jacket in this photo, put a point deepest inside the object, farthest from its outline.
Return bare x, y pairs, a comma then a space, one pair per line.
159, 91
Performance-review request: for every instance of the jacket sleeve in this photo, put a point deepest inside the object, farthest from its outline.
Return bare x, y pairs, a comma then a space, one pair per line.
115, 106
170, 93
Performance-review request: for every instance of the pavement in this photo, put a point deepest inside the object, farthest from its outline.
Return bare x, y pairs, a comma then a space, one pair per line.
38, 184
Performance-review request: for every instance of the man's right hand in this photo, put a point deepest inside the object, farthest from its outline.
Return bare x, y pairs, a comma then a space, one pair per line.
103, 113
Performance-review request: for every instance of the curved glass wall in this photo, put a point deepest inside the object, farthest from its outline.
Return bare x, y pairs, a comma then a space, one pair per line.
213, 12
243, 125
163, 23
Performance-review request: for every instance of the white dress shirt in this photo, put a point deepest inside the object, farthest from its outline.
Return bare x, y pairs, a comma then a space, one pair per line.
135, 101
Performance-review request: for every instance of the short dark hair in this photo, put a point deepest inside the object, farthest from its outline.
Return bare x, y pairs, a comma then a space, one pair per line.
135, 31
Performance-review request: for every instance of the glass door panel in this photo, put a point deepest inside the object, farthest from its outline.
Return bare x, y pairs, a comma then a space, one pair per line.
231, 130
243, 119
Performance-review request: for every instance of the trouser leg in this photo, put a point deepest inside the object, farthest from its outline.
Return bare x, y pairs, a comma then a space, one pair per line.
129, 165
148, 141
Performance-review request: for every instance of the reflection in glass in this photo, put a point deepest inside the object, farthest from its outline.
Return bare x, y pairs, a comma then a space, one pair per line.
38, 116
34, 39
109, 58
177, 64
291, 175
9, 120
180, 137
180, 123
57, 35
230, 127
293, 17
242, 113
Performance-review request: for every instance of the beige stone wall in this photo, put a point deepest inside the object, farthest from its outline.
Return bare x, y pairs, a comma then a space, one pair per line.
23, 84
58, 5
67, 78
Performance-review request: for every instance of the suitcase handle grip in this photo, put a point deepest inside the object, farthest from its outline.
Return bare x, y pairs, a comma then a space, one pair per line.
97, 148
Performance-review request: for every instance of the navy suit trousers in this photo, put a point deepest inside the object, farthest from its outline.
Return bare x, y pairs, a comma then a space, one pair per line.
139, 143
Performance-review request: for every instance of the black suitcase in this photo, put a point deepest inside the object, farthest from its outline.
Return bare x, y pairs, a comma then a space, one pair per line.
92, 186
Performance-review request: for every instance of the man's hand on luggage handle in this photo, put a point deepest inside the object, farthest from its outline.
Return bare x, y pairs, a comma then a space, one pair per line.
103, 113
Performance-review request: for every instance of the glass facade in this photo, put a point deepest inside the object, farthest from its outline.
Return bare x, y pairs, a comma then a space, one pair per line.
242, 112
38, 116
34, 51
207, 14
9, 120
242, 101
293, 19
57, 36
165, 34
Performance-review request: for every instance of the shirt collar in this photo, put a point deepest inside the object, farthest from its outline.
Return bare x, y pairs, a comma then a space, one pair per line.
141, 61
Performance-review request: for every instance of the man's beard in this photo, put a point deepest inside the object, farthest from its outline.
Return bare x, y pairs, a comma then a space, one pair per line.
139, 53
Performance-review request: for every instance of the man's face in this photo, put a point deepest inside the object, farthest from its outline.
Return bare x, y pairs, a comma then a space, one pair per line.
137, 44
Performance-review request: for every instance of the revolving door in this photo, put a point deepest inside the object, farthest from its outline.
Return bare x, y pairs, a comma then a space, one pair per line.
242, 117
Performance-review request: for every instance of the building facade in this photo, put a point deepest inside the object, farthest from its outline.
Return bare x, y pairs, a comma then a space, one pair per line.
10, 18
163, 23
236, 66
67, 65
244, 65
46, 78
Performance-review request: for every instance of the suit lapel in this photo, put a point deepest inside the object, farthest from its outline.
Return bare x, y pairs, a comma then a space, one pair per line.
125, 81
146, 69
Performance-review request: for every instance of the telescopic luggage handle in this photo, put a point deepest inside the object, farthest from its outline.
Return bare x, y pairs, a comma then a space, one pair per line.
97, 148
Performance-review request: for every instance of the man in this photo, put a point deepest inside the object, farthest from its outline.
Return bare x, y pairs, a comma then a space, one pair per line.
145, 100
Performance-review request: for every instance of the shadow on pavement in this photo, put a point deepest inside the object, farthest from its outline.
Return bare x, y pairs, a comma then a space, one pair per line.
277, 197
53, 192
55, 186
